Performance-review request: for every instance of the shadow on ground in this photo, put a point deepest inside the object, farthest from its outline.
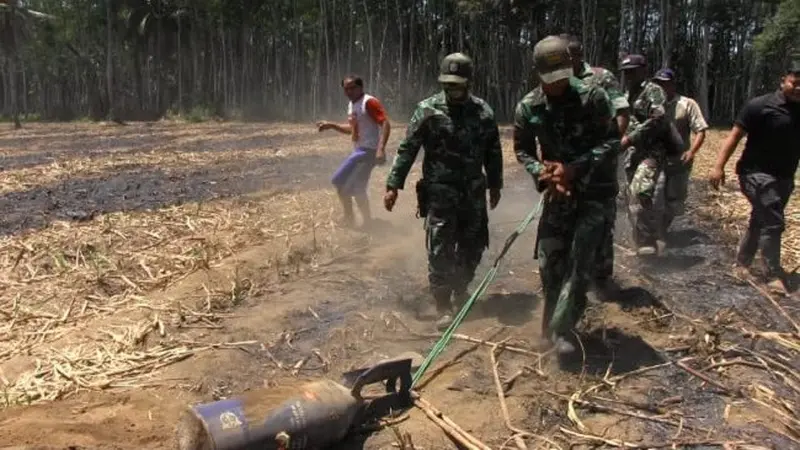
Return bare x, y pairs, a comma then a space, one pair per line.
512, 309
630, 298
635, 297
687, 237
671, 261
612, 347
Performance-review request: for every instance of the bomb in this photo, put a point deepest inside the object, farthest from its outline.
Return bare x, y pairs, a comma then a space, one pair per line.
308, 415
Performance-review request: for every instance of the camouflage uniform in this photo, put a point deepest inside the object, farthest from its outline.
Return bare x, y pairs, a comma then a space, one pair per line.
649, 134
605, 79
460, 141
576, 130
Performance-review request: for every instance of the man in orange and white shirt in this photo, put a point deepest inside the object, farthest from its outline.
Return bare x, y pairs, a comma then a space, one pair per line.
368, 125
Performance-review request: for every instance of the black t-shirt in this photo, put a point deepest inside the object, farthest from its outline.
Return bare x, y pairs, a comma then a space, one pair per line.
772, 124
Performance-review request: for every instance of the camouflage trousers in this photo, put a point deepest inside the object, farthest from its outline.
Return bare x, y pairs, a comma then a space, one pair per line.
604, 258
569, 231
645, 198
676, 191
456, 235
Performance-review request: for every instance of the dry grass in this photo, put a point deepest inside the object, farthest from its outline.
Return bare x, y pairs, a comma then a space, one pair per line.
57, 275
729, 209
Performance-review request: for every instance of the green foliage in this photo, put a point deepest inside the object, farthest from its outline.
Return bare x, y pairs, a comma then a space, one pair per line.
780, 37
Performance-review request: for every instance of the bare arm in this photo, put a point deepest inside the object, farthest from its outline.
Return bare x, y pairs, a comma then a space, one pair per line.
747, 119
736, 134
344, 128
699, 126
386, 130
697, 142
717, 177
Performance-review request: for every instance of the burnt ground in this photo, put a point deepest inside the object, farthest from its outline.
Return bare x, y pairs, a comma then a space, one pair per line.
682, 356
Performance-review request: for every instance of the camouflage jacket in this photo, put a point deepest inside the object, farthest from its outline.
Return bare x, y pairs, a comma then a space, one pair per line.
460, 141
648, 130
577, 130
606, 80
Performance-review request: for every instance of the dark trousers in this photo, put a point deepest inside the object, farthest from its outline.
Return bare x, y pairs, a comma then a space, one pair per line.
456, 238
768, 196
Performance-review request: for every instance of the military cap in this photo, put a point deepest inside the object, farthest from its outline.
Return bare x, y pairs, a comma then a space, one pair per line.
632, 62
552, 60
664, 75
455, 68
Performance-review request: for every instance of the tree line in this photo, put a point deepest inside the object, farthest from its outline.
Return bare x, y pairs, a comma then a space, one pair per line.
284, 59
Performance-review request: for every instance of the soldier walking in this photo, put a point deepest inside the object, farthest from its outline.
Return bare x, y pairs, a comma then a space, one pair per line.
766, 172
461, 139
574, 167
646, 143
606, 80
685, 114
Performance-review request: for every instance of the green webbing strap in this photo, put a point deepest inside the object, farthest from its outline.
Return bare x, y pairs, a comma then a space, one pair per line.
487, 280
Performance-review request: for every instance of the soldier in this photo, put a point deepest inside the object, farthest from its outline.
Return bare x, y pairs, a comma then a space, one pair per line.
685, 114
461, 140
574, 167
648, 140
766, 171
605, 79
602, 77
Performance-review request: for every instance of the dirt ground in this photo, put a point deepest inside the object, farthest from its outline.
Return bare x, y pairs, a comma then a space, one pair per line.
148, 267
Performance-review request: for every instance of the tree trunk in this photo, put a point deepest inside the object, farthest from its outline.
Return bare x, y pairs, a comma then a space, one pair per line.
110, 59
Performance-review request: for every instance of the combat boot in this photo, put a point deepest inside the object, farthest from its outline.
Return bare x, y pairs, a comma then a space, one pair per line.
443, 309
776, 286
646, 250
742, 273
556, 342
661, 247
776, 283
561, 345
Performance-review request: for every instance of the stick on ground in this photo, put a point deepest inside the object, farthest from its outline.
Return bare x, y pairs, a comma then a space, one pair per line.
518, 434
445, 423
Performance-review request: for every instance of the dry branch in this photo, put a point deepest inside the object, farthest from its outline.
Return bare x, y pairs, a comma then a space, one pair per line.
613, 410
445, 423
518, 434
682, 364
777, 305
623, 444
